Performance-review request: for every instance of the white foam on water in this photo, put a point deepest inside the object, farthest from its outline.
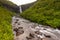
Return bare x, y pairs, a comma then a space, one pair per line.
58, 31
49, 33
22, 2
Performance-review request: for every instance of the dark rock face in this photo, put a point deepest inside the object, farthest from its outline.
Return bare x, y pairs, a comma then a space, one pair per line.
24, 7
11, 8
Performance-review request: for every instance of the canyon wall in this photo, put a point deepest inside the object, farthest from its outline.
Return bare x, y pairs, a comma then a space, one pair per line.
14, 7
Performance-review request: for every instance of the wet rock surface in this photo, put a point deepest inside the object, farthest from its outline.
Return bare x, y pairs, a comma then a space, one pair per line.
26, 30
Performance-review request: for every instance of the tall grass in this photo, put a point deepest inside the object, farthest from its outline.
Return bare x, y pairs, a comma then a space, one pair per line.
5, 24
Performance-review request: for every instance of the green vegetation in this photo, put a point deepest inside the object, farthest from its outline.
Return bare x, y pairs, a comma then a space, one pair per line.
5, 24
46, 12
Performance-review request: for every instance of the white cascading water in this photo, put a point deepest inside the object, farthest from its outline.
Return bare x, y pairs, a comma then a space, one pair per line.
20, 9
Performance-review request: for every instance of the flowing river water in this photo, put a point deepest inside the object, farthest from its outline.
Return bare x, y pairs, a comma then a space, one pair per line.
25, 30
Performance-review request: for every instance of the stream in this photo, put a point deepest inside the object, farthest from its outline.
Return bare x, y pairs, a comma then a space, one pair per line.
25, 30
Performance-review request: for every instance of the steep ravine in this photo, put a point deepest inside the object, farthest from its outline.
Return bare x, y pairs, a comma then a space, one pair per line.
25, 30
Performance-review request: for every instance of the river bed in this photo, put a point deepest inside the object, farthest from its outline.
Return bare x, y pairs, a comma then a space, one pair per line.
25, 30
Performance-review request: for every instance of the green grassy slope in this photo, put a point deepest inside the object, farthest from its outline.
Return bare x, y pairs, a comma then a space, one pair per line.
46, 12
5, 24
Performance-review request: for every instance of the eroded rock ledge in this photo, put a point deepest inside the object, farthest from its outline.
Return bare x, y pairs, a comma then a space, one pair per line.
26, 30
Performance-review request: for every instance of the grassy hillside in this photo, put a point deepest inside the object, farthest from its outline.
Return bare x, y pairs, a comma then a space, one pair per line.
46, 12
5, 24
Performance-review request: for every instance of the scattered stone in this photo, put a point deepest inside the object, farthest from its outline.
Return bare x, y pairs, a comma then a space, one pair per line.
48, 36
20, 27
31, 35
19, 32
37, 32
16, 22
17, 19
15, 29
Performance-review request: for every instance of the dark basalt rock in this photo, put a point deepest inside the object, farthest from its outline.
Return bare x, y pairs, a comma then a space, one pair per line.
19, 31
14, 8
48, 36
15, 29
18, 23
17, 19
20, 28
31, 36
37, 32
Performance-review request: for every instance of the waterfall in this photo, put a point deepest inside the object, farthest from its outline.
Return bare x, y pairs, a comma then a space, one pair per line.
20, 9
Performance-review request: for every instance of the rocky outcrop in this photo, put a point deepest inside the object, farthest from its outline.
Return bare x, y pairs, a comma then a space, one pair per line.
13, 7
